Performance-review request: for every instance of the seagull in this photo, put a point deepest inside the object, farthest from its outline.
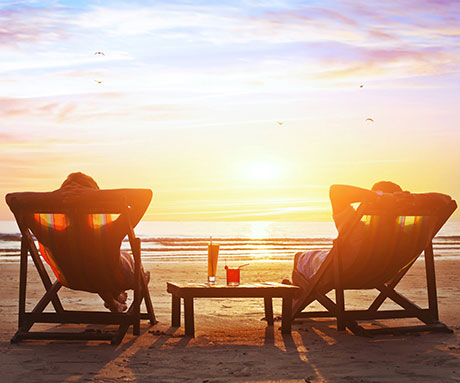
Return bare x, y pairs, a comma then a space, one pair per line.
369, 119
280, 123
99, 53
99, 82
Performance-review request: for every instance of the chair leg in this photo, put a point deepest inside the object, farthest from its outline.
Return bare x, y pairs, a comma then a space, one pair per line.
136, 248
137, 322
22, 282
340, 307
41, 305
406, 304
382, 296
339, 294
431, 283
148, 302
116, 340
41, 270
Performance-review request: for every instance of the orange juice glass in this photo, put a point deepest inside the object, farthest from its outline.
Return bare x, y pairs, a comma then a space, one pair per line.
213, 254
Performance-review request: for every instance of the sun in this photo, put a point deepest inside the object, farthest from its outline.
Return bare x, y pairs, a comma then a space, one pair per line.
263, 171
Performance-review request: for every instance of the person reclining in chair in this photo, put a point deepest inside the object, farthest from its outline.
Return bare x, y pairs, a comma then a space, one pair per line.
79, 187
382, 194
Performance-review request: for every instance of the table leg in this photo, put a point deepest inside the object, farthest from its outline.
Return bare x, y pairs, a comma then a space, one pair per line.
189, 317
268, 304
286, 315
175, 311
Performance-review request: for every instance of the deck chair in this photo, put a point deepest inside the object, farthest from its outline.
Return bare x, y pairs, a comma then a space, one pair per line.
76, 226
394, 240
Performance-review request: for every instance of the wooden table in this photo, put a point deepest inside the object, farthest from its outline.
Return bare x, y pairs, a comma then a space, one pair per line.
267, 290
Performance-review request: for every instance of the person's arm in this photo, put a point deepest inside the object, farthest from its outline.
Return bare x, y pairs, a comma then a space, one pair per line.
30, 200
138, 200
342, 196
431, 202
17, 200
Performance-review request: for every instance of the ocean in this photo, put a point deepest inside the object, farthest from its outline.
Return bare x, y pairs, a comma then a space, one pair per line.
168, 241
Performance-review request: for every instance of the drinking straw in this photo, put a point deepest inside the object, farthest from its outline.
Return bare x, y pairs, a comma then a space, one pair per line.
246, 264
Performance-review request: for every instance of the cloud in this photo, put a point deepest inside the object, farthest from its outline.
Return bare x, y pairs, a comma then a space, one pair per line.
226, 23
164, 45
80, 109
12, 108
27, 24
391, 63
232, 213
7, 137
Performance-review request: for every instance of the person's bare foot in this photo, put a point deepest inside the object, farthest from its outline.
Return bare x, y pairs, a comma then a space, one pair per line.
112, 304
122, 297
115, 306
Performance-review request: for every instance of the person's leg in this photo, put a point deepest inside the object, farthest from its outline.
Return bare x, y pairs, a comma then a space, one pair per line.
126, 271
307, 263
126, 281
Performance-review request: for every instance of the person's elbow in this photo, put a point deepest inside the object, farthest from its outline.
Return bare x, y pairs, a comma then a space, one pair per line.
335, 191
337, 198
10, 199
147, 195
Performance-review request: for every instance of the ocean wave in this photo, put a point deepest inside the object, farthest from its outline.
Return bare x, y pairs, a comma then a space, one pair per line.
235, 248
229, 240
7, 237
10, 237
455, 238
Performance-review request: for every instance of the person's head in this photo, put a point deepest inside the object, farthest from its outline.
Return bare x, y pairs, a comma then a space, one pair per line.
80, 179
386, 187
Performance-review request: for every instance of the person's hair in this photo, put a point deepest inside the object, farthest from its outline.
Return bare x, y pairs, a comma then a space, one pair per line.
81, 179
386, 187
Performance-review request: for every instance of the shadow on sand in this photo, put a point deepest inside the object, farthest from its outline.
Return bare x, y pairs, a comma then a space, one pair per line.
315, 352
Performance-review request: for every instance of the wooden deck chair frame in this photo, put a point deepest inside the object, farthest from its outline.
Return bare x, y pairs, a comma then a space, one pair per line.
60, 315
349, 318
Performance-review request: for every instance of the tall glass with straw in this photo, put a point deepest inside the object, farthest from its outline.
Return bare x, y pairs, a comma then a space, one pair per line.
213, 254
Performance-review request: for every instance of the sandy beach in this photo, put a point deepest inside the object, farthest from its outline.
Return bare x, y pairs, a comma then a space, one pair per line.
232, 344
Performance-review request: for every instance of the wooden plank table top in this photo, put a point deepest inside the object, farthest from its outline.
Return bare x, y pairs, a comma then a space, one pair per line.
266, 290
205, 290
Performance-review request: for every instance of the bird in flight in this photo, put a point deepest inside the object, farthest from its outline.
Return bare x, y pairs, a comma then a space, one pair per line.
280, 123
99, 82
99, 53
369, 119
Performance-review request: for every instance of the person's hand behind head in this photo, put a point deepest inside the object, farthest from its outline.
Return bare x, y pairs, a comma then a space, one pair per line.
389, 201
71, 192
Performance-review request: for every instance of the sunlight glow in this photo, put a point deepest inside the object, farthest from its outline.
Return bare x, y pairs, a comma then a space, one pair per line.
263, 171
229, 110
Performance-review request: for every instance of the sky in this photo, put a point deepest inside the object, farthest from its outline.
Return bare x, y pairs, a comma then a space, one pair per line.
230, 110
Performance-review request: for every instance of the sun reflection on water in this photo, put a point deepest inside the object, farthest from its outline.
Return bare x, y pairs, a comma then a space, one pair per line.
259, 230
